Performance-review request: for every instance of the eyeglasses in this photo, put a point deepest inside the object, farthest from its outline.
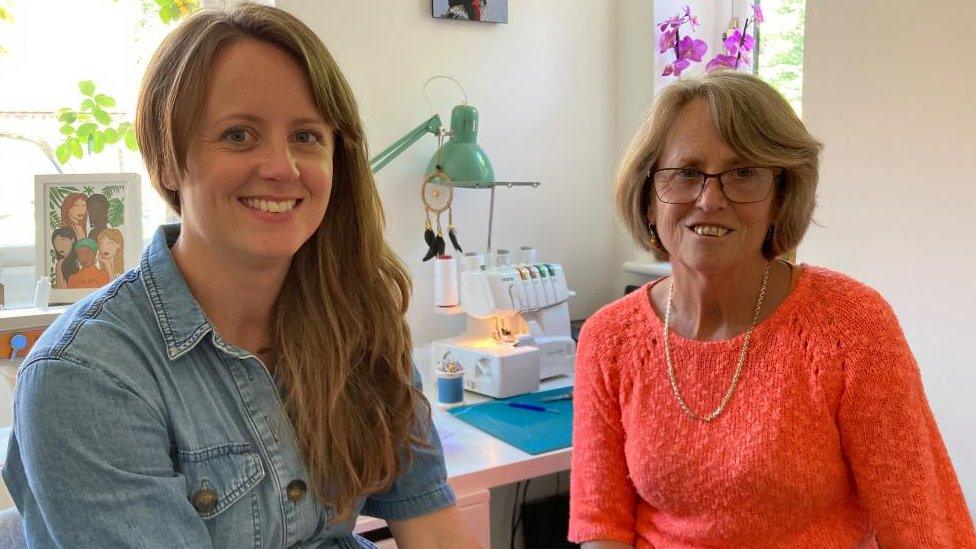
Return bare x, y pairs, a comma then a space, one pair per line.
740, 185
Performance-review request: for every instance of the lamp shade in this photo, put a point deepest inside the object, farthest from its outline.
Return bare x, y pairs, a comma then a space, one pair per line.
461, 158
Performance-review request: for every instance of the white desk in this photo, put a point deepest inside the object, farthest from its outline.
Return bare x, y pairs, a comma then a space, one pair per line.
477, 461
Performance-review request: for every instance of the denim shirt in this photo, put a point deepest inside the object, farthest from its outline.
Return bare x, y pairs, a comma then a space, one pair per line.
136, 425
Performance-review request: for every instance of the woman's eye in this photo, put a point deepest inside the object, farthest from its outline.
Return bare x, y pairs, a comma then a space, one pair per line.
745, 173
688, 174
306, 137
236, 136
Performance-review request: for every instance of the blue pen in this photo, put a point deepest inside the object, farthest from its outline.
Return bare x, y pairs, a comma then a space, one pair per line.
527, 406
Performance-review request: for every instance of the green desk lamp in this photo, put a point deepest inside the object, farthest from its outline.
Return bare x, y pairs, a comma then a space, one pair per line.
460, 158
464, 162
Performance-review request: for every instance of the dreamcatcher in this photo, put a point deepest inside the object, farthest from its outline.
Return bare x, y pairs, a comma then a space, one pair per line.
437, 194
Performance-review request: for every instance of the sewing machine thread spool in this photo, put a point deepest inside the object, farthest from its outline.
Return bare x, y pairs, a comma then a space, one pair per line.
528, 254
501, 258
445, 281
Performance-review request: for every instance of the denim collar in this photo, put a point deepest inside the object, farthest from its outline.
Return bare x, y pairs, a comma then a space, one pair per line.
181, 321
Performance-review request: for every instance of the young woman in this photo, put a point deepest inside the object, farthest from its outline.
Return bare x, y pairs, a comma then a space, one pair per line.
250, 384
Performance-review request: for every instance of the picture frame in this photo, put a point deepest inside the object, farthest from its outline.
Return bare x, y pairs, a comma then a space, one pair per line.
88, 230
486, 11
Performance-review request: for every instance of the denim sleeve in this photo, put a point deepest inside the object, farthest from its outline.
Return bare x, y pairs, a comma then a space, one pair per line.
89, 464
422, 488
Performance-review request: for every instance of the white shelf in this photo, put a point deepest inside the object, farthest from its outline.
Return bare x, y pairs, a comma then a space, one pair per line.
655, 269
19, 319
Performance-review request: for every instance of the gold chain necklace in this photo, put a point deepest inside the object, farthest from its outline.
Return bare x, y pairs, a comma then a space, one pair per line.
738, 368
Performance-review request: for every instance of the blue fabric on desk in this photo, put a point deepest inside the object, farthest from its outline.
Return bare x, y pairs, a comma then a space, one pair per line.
531, 431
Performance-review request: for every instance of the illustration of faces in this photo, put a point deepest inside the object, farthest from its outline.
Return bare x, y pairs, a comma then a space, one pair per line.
107, 248
63, 240
86, 256
98, 211
77, 210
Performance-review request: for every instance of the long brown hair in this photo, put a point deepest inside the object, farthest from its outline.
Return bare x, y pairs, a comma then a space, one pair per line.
67, 204
342, 343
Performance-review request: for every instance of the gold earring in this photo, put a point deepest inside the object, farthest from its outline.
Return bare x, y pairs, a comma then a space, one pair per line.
653, 235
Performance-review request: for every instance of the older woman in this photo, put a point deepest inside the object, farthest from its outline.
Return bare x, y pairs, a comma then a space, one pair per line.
745, 401
250, 384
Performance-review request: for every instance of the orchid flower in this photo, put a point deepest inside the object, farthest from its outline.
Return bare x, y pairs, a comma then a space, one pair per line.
685, 48
757, 14
692, 49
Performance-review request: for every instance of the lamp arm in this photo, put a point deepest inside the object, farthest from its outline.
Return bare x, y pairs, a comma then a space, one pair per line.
431, 125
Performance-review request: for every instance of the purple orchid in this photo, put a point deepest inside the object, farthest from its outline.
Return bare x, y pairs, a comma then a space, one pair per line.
674, 22
748, 42
721, 61
676, 67
732, 42
685, 48
692, 49
668, 40
757, 14
738, 45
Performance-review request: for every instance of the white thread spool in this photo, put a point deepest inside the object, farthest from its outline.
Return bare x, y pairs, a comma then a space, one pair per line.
528, 255
445, 281
471, 261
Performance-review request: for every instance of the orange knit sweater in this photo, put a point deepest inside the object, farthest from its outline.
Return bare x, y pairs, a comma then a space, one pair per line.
828, 441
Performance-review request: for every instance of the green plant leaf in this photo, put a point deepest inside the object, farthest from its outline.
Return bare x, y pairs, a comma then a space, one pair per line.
75, 147
98, 142
85, 130
102, 116
164, 14
54, 218
87, 105
112, 136
66, 115
104, 100
116, 212
87, 87
67, 129
88, 190
130, 140
63, 153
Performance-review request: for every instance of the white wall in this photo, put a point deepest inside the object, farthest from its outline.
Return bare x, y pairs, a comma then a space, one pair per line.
889, 88
543, 85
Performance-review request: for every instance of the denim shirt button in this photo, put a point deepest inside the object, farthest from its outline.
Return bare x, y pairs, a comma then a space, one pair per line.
296, 489
205, 500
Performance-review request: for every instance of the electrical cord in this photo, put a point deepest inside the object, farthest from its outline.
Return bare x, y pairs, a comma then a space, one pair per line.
517, 506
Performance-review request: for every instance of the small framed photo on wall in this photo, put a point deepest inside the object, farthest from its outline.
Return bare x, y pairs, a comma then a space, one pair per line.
88, 230
488, 11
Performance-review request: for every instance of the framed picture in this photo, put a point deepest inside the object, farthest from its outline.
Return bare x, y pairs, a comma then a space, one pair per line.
89, 230
489, 11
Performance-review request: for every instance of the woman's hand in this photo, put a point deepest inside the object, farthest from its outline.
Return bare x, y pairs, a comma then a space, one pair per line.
442, 529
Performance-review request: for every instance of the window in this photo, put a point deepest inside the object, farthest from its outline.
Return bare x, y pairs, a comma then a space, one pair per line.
46, 48
780, 59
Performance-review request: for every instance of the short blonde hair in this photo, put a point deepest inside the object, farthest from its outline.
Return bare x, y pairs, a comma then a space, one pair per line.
757, 123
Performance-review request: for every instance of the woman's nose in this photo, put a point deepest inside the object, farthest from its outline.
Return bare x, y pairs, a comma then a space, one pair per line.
279, 165
712, 197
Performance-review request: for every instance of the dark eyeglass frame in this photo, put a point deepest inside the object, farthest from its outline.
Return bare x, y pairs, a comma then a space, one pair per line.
777, 178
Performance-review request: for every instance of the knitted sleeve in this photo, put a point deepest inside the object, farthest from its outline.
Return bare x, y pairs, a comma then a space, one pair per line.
602, 497
900, 465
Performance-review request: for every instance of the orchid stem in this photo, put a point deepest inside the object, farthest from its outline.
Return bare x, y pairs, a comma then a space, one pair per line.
742, 40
